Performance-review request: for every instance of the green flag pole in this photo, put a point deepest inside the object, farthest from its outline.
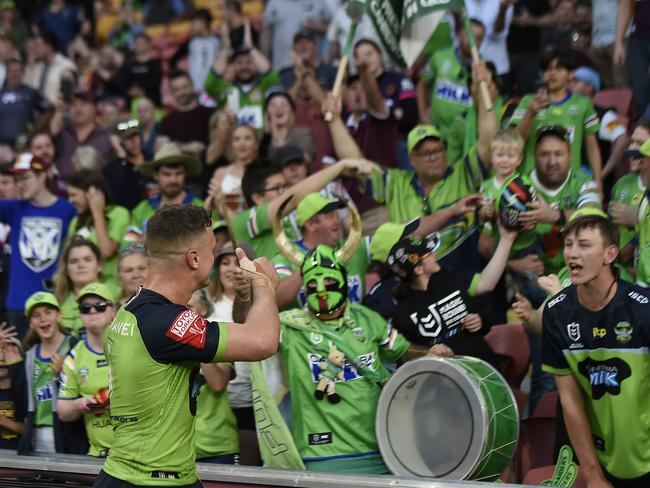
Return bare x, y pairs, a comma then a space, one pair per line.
485, 94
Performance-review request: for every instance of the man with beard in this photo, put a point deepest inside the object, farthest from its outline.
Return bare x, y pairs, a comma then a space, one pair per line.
251, 80
169, 169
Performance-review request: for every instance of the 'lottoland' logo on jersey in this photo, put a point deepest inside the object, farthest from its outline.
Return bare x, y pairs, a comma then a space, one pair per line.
605, 376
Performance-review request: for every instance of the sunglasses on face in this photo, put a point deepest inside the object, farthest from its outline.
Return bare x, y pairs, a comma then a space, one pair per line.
86, 308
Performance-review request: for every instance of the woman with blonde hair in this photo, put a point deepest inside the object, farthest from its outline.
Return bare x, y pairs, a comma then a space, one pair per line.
132, 269
87, 158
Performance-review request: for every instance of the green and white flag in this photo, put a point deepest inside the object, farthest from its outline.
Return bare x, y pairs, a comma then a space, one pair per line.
406, 27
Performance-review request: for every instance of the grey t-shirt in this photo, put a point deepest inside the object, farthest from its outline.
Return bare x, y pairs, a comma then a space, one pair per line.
604, 22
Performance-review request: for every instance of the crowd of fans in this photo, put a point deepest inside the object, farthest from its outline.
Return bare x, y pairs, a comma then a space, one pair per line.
111, 110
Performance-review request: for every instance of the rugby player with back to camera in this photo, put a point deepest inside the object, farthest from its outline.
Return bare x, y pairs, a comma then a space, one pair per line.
596, 334
156, 344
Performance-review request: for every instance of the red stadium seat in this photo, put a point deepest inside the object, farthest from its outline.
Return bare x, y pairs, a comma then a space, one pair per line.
620, 99
511, 343
536, 445
537, 475
547, 406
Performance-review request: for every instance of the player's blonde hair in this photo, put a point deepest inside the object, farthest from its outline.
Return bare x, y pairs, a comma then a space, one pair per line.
508, 138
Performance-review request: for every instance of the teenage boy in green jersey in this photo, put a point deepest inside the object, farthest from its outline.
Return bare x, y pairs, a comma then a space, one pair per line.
557, 105
251, 81
265, 188
443, 90
596, 336
170, 168
559, 191
155, 346
84, 381
436, 185
628, 193
335, 351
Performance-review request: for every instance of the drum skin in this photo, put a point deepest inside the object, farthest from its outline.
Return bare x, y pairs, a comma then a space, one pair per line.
453, 418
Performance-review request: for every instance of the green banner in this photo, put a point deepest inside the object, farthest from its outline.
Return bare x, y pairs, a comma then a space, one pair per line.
276, 444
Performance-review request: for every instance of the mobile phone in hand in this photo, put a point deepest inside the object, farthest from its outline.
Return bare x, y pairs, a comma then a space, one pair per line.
66, 89
542, 87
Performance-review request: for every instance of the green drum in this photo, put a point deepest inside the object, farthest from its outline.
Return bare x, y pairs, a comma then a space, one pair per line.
452, 418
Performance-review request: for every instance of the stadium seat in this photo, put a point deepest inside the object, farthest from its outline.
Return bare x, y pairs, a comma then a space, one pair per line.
537, 475
511, 343
620, 99
536, 445
547, 406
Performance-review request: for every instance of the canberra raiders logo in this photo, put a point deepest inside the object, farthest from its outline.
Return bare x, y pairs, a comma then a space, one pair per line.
623, 331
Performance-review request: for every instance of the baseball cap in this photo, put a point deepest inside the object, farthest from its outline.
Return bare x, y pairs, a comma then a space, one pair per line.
97, 289
126, 127
304, 33
40, 298
419, 133
27, 161
589, 76
552, 130
387, 235
288, 154
407, 253
314, 204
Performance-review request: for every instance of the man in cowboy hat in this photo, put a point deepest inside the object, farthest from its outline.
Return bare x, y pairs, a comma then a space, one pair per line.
169, 169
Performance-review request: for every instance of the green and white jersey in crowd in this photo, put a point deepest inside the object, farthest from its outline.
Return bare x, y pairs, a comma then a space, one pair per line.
323, 430
450, 95
85, 373
216, 425
70, 317
577, 191
629, 190
246, 100
643, 249
44, 385
253, 227
575, 113
400, 190
607, 353
492, 190
117, 222
154, 349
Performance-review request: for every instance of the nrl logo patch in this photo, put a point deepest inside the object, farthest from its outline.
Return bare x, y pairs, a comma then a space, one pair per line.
573, 330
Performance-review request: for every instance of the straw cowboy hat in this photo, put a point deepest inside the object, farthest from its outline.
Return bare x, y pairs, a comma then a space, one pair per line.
170, 154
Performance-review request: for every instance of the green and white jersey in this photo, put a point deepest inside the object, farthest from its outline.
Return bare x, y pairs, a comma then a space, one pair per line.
70, 317
154, 349
216, 425
577, 191
643, 249
607, 352
575, 113
246, 100
253, 227
400, 190
85, 373
44, 385
323, 430
117, 222
629, 190
450, 95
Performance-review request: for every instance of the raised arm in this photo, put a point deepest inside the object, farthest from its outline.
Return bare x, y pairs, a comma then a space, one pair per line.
344, 144
492, 273
487, 121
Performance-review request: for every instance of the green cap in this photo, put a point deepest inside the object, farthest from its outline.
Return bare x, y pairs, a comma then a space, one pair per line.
96, 289
314, 204
41, 298
587, 212
387, 235
645, 149
419, 133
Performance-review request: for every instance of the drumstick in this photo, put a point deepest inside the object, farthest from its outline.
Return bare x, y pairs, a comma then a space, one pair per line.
482, 86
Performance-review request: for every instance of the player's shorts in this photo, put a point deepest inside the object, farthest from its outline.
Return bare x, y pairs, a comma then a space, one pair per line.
105, 480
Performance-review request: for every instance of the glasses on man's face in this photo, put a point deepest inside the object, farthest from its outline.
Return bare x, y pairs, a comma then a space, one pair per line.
86, 308
277, 188
431, 153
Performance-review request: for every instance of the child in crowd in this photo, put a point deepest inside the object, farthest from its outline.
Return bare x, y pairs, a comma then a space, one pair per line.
80, 265
498, 193
216, 426
47, 346
84, 382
